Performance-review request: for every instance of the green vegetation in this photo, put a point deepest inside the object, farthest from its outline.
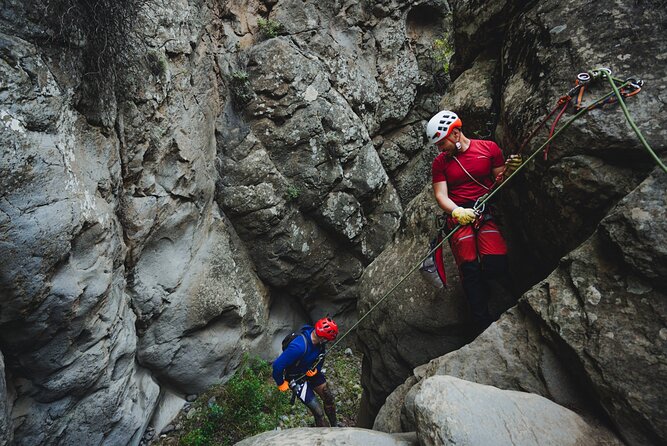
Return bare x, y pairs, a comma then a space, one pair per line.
443, 50
250, 404
268, 28
157, 63
292, 192
247, 405
240, 88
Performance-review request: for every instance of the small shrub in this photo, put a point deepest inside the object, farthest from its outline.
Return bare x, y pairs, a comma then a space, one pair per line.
443, 50
247, 405
268, 28
240, 88
292, 192
196, 437
157, 63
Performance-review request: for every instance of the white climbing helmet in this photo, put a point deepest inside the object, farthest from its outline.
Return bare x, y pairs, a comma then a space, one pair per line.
441, 125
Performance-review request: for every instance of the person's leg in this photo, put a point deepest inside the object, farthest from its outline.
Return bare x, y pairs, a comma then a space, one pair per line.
464, 248
304, 391
493, 253
317, 412
473, 286
329, 403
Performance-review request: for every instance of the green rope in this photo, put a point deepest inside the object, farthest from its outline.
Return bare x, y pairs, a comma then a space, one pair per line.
631, 122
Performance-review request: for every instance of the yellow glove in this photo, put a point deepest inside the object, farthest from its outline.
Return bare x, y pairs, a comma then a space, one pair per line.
284, 387
464, 216
310, 373
512, 163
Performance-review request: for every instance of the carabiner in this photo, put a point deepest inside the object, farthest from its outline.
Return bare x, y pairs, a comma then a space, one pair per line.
480, 210
598, 72
584, 78
637, 84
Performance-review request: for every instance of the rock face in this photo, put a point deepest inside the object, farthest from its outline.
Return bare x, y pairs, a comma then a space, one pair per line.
553, 206
6, 433
326, 435
589, 337
451, 411
302, 177
180, 187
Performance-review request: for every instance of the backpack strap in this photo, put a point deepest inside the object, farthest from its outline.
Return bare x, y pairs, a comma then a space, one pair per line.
305, 348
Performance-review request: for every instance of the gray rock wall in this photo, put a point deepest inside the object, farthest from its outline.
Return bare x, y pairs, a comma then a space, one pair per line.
178, 189
323, 145
6, 432
589, 337
513, 61
119, 272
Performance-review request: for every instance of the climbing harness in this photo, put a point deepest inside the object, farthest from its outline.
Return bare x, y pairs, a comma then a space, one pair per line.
627, 88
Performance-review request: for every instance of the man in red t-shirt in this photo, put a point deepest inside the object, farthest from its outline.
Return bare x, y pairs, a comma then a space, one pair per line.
464, 171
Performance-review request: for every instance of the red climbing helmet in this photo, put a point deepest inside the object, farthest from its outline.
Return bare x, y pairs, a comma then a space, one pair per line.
326, 328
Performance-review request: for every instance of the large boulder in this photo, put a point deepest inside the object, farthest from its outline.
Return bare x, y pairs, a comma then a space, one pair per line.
451, 411
606, 308
510, 354
331, 436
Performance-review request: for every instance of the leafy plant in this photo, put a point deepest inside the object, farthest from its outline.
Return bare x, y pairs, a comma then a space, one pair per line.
269, 28
443, 50
247, 405
292, 192
240, 87
157, 63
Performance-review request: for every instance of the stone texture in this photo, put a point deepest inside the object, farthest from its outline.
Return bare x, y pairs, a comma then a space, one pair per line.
473, 96
388, 418
326, 435
608, 316
109, 225
302, 177
589, 337
168, 408
598, 160
451, 411
511, 354
6, 428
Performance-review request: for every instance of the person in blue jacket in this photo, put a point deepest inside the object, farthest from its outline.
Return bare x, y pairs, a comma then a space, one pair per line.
299, 368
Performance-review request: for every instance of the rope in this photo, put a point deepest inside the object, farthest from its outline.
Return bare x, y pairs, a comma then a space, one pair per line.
484, 199
631, 122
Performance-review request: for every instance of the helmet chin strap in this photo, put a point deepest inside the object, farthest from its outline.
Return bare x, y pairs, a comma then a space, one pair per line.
457, 143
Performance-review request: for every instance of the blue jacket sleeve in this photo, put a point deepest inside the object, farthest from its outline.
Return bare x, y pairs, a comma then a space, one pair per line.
291, 355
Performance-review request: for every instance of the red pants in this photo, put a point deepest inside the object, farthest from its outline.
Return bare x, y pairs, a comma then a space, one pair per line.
469, 244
